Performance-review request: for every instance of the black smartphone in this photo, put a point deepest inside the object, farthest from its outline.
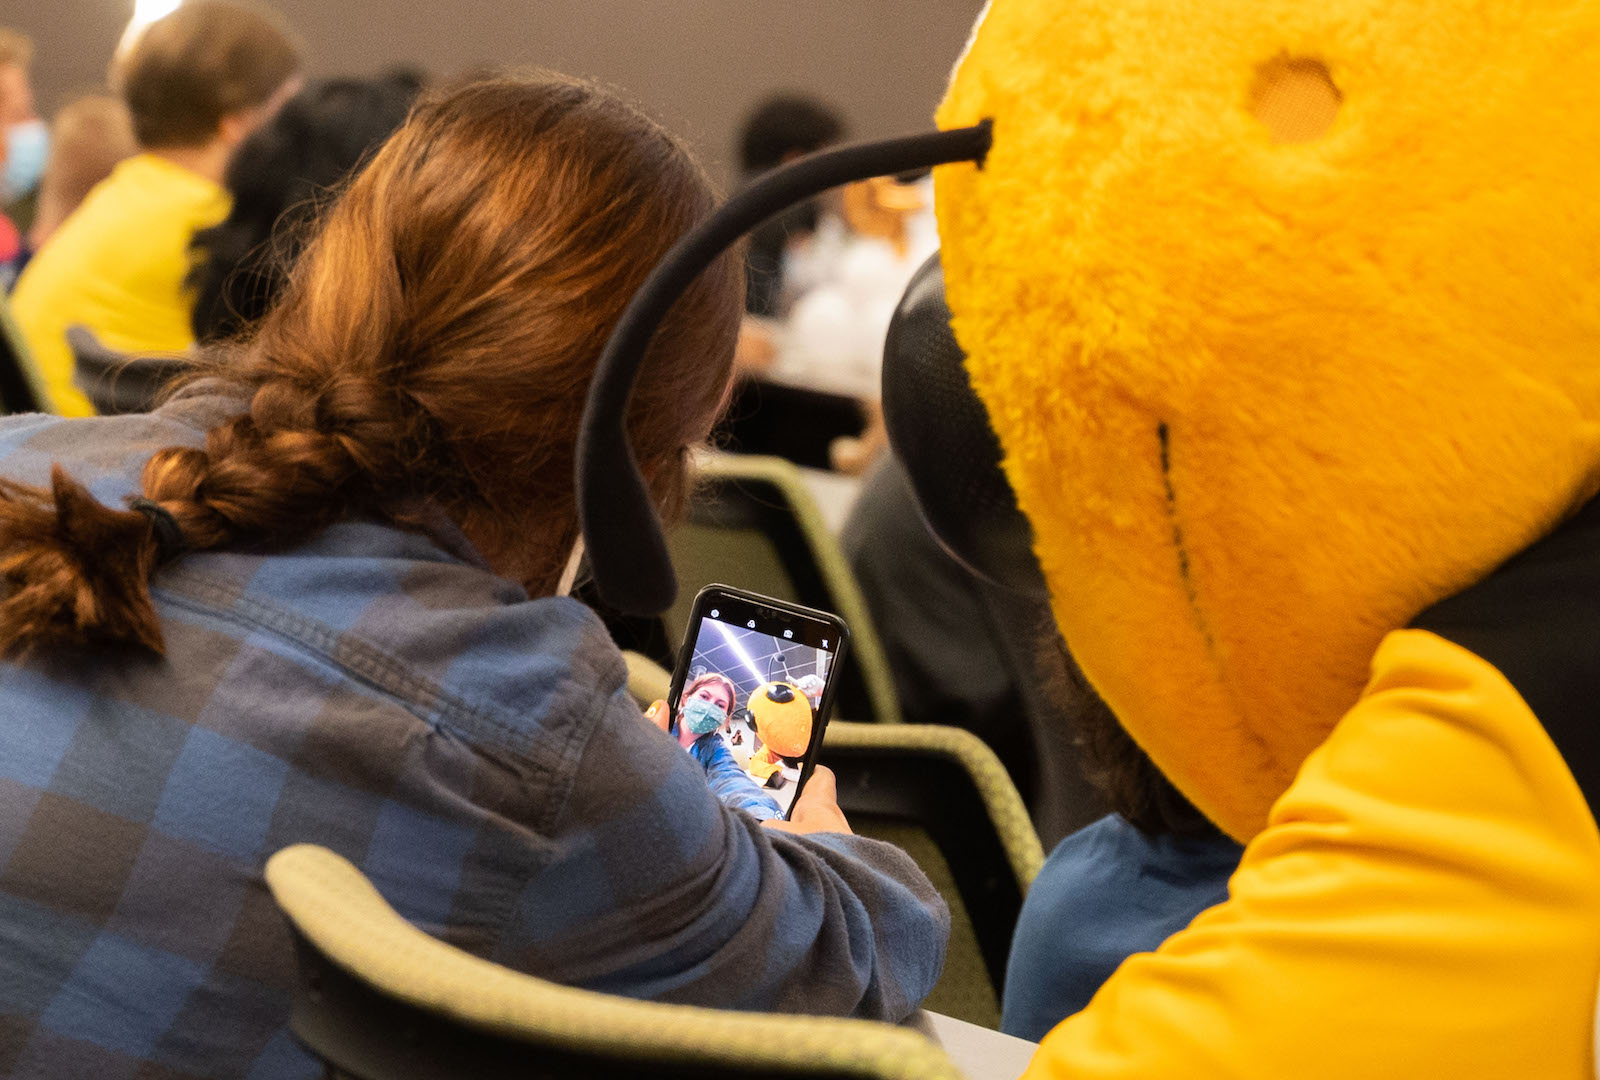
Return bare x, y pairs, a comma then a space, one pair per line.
752, 694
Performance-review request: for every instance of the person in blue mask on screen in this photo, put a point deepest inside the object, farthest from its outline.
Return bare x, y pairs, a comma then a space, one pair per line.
706, 709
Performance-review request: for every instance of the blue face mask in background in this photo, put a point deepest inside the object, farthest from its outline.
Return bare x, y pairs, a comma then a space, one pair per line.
701, 716
27, 146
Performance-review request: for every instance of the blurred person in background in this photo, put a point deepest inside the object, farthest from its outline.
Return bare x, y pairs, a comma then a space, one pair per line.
23, 140
26, 137
777, 132
846, 292
780, 130
89, 136
276, 179
197, 83
823, 279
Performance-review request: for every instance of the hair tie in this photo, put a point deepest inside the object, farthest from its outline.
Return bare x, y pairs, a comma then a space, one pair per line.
169, 536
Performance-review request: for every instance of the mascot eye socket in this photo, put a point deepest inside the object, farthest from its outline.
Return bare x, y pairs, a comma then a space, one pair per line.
780, 693
1296, 98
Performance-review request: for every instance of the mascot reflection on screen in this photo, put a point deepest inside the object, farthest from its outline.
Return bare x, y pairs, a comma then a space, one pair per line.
1287, 317
781, 713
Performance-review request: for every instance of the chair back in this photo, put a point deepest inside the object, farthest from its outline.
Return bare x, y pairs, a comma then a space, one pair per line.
116, 382
377, 999
941, 794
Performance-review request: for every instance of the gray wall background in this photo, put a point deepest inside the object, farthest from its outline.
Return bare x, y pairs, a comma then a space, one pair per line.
698, 65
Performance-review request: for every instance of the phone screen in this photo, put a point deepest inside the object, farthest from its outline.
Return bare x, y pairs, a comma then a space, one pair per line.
754, 692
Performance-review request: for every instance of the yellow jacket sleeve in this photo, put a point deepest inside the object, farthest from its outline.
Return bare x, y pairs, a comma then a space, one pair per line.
1424, 902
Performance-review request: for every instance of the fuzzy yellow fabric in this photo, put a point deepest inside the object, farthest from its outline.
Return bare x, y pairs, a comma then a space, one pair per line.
784, 725
1266, 397
1390, 922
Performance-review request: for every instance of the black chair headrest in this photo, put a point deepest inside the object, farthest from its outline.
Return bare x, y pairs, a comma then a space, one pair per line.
941, 433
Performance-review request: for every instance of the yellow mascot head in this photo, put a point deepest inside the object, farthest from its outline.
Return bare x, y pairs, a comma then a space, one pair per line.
1287, 315
782, 717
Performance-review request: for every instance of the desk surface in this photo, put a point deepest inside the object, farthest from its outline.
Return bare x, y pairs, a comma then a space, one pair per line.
978, 1052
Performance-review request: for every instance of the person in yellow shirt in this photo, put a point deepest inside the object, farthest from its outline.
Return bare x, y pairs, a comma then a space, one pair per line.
197, 82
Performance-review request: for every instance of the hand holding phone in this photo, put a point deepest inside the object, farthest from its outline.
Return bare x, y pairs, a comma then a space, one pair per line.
817, 808
751, 696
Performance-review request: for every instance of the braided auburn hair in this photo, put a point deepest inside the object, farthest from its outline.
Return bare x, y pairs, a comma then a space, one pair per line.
431, 351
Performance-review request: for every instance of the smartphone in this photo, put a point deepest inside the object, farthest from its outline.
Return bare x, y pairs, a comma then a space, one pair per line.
753, 690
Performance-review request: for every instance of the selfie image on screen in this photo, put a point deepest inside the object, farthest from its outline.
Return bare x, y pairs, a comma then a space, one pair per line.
751, 698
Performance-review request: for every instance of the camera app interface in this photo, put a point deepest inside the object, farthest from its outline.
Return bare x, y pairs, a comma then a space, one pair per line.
748, 706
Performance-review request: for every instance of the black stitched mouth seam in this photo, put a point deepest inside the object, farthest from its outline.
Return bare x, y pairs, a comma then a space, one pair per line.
1268, 754
1177, 537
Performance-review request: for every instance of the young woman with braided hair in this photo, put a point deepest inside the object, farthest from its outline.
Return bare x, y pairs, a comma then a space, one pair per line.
312, 599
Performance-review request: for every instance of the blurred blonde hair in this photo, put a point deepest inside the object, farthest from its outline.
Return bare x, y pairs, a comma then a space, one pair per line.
15, 48
89, 136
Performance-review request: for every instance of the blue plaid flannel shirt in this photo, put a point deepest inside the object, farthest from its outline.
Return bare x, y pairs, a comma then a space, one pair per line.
474, 752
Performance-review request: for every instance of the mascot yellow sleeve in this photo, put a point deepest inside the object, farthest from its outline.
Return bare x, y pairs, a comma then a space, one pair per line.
1441, 920
1287, 315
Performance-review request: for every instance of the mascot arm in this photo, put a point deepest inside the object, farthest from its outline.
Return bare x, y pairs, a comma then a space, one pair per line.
1425, 901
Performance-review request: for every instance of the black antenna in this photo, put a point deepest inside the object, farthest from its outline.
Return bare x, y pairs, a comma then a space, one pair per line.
783, 660
622, 537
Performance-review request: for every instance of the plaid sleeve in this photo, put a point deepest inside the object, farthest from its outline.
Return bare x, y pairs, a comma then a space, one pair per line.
731, 784
658, 890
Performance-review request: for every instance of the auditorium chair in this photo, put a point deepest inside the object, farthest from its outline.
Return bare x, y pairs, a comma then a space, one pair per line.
116, 382
375, 998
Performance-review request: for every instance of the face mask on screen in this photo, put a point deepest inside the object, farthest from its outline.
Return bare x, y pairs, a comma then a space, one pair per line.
701, 716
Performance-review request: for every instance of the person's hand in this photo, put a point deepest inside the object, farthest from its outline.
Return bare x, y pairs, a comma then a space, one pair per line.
817, 809
853, 456
756, 351
659, 715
